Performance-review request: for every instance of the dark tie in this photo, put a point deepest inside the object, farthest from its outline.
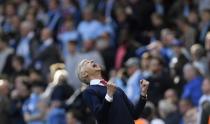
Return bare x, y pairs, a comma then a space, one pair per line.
103, 82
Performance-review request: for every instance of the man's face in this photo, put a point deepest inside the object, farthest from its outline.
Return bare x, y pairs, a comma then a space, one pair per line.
145, 62
184, 106
88, 45
45, 34
131, 70
171, 96
155, 66
72, 47
91, 67
87, 15
205, 16
207, 42
52, 5
189, 73
206, 86
24, 30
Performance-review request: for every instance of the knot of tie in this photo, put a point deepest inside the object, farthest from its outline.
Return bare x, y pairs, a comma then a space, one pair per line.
103, 82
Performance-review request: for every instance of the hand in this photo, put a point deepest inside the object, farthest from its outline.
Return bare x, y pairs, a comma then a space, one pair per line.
111, 88
144, 87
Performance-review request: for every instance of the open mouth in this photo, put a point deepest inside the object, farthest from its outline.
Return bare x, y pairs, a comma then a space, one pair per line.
94, 65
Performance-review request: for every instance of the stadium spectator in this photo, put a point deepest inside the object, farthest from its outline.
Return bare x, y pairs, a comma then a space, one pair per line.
72, 117
32, 112
204, 25
5, 104
198, 59
17, 66
68, 33
160, 79
184, 106
168, 111
54, 15
25, 45
89, 28
187, 33
191, 116
71, 61
177, 63
192, 89
205, 113
47, 52
5, 55
19, 95
133, 90
205, 97
171, 96
207, 48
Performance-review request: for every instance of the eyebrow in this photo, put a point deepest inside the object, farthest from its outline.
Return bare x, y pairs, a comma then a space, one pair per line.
84, 62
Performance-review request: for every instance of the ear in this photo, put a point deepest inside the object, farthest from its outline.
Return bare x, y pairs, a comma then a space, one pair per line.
84, 74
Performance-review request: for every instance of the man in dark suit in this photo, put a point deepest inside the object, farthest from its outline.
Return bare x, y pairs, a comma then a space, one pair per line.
108, 103
47, 54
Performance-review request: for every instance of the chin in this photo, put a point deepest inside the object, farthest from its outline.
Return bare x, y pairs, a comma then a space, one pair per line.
99, 69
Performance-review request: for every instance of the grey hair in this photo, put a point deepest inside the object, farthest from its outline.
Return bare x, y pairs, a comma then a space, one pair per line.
80, 71
166, 107
28, 25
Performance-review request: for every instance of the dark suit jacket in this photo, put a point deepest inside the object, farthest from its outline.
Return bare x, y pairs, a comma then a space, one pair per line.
47, 56
119, 111
205, 115
5, 110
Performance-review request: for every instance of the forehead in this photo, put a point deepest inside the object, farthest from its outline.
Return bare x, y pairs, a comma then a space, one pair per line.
154, 61
85, 61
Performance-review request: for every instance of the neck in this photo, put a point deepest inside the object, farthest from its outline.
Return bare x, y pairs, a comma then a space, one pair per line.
208, 93
19, 68
97, 76
72, 52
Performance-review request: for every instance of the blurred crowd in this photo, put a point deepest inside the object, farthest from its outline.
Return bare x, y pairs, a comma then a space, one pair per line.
164, 41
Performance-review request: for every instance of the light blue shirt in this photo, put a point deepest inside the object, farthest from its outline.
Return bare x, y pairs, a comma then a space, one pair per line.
89, 29
56, 116
71, 62
119, 82
23, 49
31, 107
65, 38
133, 86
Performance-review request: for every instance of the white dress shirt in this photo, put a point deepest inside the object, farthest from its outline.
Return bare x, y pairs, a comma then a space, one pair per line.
98, 82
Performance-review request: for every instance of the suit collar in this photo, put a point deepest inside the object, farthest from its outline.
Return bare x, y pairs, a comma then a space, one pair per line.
96, 82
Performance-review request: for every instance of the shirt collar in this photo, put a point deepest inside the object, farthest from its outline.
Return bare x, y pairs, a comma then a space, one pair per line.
96, 82
48, 42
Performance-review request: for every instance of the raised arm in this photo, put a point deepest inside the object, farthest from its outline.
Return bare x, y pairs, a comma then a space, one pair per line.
139, 107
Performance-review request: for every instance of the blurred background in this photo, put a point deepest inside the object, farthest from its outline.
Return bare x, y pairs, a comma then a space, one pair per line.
164, 41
